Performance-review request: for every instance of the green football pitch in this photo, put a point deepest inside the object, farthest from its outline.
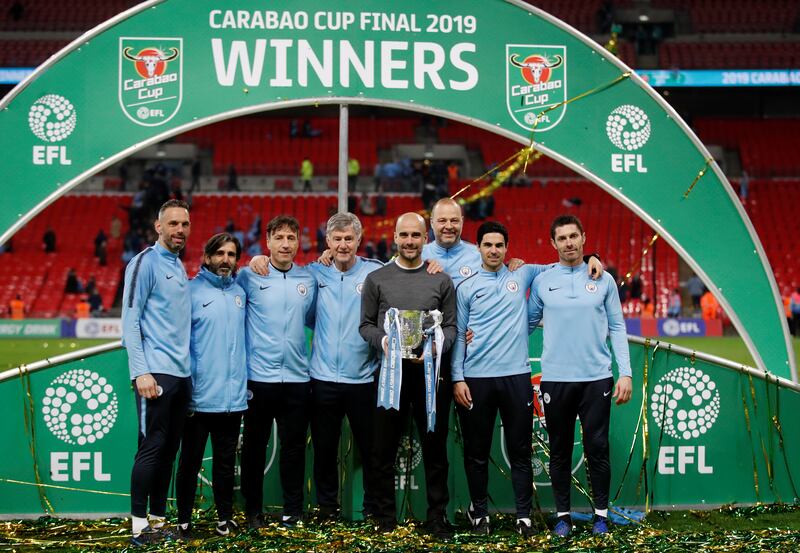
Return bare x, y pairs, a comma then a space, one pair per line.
13, 352
16, 351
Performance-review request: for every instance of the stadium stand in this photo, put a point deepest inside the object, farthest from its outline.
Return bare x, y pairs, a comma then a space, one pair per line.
737, 16
494, 148
581, 14
28, 53
257, 146
767, 147
55, 15
40, 278
729, 55
772, 206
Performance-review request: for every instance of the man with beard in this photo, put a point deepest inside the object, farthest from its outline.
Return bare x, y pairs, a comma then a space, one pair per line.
219, 381
579, 315
156, 316
493, 374
460, 258
405, 285
279, 307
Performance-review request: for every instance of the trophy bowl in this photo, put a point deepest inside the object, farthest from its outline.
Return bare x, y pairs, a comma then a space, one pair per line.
411, 333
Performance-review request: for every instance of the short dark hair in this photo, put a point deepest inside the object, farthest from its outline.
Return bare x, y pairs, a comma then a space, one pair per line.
564, 220
218, 240
172, 203
492, 226
283, 221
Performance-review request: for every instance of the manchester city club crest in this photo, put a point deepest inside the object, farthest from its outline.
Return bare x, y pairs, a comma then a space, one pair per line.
302, 289
512, 286
591, 287
238, 301
465, 271
359, 287
536, 79
150, 79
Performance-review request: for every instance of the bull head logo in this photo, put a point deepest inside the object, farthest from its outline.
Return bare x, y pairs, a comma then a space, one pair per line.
536, 68
150, 62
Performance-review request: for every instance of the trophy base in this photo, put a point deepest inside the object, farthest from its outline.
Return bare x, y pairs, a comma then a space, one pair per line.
414, 353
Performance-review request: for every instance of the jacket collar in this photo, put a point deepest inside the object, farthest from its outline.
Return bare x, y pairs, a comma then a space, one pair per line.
495, 274
214, 279
164, 252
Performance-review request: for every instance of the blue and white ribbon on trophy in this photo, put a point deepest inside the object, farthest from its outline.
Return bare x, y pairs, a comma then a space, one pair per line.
433, 334
391, 365
391, 378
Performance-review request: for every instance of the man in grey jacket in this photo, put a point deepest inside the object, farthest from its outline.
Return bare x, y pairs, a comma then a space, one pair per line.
406, 285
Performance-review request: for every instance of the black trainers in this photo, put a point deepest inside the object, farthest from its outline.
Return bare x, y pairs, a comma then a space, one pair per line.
440, 529
290, 521
148, 536
184, 534
524, 527
327, 513
255, 521
480, 525
225, 527
386, 526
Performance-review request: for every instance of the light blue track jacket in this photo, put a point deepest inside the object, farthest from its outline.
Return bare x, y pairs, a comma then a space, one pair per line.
219, 363
279, 307
156, 314
459, 261
339, 353
579, 315
493, 305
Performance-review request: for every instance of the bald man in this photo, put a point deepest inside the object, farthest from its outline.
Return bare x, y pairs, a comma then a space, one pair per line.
404, 284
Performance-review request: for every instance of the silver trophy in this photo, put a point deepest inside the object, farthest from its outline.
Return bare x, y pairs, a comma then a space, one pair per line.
411, 332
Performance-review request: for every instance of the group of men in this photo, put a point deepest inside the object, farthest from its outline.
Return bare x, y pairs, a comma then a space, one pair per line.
231, 345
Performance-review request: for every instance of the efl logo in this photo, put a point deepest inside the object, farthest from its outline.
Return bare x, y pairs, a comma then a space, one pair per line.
685, 404
79, 408
409, 456
536, 79
150, 79
628, 128
51, 118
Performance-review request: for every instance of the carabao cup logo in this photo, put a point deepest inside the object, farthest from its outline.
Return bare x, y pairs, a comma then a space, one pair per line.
52, 118
685, 403
536, 79
628, 127
150, 79
80, 407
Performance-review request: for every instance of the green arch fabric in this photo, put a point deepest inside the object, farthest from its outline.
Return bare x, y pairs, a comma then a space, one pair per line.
165, 67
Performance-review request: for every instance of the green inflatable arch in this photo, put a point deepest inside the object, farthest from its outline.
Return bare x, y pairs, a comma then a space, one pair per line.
165, 67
